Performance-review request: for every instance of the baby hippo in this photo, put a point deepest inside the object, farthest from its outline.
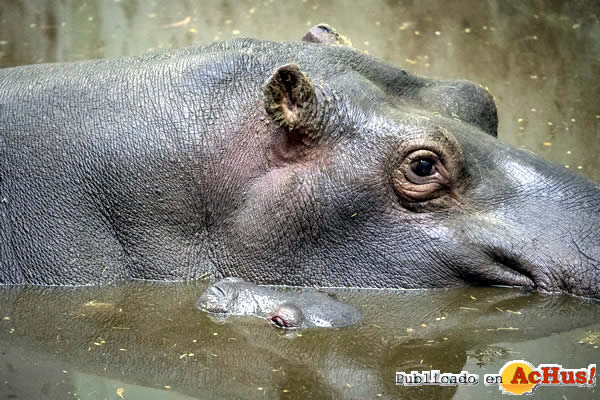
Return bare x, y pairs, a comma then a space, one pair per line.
285, 310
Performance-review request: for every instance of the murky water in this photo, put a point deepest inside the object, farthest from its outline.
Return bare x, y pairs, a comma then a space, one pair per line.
540, 59
147, 341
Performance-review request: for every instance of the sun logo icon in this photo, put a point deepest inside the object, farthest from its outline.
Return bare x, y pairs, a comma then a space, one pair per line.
515, 376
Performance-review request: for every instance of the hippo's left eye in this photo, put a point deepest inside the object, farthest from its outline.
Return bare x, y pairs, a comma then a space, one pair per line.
421, 176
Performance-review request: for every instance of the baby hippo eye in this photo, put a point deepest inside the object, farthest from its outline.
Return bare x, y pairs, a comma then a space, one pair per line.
286, 316
423, 167
279, 322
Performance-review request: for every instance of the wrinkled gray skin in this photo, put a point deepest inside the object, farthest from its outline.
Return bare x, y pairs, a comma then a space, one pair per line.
286, 310
295, 163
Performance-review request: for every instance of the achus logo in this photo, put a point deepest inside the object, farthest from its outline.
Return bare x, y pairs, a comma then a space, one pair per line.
520, 377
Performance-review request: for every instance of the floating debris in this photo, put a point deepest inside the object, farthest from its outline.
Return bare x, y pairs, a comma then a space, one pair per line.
405, 25
179, 24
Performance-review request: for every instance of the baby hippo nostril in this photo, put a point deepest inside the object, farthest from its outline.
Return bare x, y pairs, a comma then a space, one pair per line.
217, 291
286, 316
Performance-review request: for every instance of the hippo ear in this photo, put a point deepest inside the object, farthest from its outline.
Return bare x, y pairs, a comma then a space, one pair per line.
290, 97
323, 33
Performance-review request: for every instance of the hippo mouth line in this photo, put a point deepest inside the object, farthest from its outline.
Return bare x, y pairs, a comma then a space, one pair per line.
509, 270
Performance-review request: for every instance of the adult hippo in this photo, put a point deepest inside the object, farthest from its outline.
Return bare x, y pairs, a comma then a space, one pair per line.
298, 163
285, 310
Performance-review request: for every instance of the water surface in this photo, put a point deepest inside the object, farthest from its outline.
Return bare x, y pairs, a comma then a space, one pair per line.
146, 340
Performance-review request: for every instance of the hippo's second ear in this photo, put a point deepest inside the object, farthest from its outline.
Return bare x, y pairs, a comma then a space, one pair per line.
290, 97
323, 33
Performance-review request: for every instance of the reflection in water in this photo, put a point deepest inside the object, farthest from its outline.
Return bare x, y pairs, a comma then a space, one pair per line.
540, 59
141, 338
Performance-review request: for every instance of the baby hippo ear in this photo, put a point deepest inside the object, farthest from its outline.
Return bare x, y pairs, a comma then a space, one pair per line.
290, 98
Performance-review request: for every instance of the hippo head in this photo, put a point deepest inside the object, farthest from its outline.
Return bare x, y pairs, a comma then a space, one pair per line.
222, 297
374, 177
